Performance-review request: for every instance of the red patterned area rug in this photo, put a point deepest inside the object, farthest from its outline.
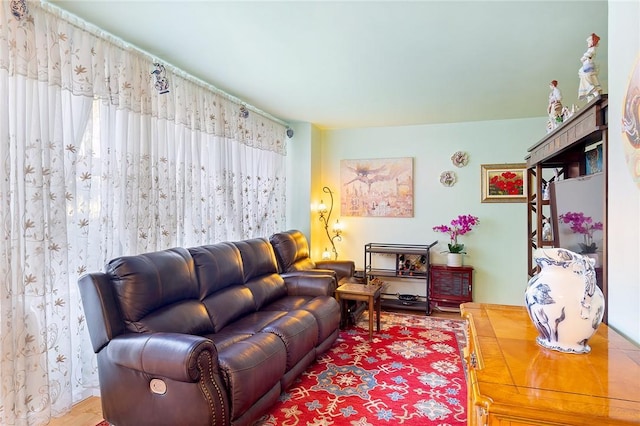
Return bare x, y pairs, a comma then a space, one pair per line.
411, 374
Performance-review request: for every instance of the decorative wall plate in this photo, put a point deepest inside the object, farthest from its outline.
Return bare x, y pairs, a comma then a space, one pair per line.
460, 159
448, 178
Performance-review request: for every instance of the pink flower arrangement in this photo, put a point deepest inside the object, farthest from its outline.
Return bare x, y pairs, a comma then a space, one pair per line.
581, 224
459, 226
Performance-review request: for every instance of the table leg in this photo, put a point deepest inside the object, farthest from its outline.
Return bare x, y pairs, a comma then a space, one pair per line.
342, 311
378, 304
371, 313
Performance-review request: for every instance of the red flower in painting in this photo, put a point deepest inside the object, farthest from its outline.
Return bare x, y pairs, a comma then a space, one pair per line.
506, 183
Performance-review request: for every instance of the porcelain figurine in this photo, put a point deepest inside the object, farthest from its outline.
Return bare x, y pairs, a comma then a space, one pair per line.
546, 230
554, 108
588, 73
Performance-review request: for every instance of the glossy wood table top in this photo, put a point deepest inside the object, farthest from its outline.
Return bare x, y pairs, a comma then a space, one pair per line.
514, 370
360, 289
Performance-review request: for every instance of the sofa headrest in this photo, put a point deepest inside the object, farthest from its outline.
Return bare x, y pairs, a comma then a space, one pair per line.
258, 258
291, 247
217, 266
147, 282
261, 271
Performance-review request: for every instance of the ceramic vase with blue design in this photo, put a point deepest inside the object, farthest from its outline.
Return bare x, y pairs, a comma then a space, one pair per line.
564, 301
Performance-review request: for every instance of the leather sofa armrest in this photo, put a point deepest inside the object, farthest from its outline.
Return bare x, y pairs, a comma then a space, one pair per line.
171, 355
303, 283
314, 271
343, 268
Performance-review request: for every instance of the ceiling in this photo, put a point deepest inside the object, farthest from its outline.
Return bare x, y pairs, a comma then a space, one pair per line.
341, 64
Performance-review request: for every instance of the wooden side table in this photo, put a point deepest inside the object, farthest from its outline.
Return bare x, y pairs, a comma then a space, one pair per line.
362, 292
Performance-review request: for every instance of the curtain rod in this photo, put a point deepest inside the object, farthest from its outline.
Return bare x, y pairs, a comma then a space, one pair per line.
99, 32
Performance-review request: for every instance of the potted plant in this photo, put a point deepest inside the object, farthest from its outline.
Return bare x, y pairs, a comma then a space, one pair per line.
581, 224
458, 226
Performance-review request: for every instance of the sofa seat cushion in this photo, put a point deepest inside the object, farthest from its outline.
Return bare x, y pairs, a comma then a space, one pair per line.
298, 331
254, 322
325, 310
288, 303
251, 368
226, 338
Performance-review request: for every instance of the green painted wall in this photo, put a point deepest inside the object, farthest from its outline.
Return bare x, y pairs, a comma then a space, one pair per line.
496, 248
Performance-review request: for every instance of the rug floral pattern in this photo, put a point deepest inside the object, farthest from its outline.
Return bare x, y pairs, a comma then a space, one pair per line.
410, 374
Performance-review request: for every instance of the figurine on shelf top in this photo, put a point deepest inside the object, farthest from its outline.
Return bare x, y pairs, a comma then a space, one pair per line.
546, 191
554, 109
546, 230
588, 73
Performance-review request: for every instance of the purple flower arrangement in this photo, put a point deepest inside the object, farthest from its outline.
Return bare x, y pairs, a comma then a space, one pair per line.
581, 224
459, 226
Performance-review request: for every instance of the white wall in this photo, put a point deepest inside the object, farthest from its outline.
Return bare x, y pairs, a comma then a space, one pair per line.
624, 194
497, 247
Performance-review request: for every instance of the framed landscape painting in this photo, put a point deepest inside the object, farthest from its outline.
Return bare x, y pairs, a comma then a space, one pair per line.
504, 183
377, 187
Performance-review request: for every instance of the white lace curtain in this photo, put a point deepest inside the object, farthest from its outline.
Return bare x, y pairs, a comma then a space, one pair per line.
95, 163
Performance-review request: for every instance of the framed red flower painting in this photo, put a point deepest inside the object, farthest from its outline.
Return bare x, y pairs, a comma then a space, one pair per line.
504, 183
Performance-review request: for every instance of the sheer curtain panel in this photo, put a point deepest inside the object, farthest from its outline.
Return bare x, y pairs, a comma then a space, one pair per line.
96, 163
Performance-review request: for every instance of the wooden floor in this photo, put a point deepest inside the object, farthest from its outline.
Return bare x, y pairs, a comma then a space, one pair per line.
85, 413
89, 411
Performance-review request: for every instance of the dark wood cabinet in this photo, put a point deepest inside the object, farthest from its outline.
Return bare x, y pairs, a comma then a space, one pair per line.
561, 155
450, 286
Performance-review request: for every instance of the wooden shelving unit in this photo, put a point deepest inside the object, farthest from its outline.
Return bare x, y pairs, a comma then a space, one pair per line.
561, 155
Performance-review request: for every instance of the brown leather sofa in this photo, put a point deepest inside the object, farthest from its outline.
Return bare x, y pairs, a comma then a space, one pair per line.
292, 252
209, 335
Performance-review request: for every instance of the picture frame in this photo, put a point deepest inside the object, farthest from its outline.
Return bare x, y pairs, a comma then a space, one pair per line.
380, 187
504, 183
593, 159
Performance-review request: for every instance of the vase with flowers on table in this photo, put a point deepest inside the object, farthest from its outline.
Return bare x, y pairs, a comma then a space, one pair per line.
459, 226
584, 225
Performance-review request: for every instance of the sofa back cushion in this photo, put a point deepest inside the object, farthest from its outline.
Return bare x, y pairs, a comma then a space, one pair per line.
261, 271
292, 251
158, 292
217, 267
220, 275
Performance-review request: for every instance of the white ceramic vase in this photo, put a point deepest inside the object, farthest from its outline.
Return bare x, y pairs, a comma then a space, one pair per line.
454, 259
564, 301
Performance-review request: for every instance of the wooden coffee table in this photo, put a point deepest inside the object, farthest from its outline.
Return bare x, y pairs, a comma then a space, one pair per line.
362, 292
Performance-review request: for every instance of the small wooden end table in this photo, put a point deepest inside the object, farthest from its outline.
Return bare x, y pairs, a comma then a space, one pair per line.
365, 293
